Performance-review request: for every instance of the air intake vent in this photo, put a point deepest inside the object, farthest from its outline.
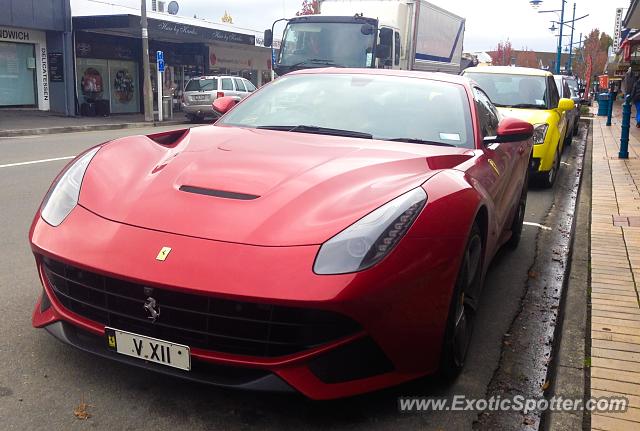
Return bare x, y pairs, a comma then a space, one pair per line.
218, 193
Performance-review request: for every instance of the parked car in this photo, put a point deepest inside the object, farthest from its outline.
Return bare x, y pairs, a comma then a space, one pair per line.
568, 88
200, 92
329, 234
531, 95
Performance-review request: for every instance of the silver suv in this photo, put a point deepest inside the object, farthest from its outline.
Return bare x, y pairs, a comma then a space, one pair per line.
199, 94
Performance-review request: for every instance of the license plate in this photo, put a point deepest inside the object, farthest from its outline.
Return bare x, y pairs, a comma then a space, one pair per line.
149, 349
198, 97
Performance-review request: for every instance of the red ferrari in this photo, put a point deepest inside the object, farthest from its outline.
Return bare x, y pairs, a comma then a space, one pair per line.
328, 235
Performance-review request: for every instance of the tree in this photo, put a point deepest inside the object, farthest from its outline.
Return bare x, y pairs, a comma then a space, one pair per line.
501, 56
594, 50
309, 7
527, 58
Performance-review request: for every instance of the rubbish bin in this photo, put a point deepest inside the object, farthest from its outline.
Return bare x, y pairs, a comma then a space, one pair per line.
167, 108
603, 104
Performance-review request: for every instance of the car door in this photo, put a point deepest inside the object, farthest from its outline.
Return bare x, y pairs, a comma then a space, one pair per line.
240, 87
555, 94
226, 85
501, 159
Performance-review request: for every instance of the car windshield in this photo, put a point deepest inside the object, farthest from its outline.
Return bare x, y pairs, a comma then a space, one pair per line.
323, 43
381, 107
523, 91
202, 84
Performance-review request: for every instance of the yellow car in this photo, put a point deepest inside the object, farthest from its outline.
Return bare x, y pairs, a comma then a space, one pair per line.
530, 95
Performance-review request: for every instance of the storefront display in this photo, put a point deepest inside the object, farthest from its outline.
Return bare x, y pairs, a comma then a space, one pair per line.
24, 74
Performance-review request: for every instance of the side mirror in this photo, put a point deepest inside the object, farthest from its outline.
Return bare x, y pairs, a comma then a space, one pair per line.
367, 29
566, 105
268, 38
383, 51
511, 130
222, 105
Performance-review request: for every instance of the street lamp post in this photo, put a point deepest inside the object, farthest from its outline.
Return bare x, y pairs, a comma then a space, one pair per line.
561, 24
570, 63
559, 51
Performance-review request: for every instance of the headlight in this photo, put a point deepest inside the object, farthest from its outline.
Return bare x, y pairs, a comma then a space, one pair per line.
63, 195
367, 241
539, 133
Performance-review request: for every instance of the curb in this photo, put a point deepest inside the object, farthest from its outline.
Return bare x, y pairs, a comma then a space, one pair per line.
85, 128
569, 373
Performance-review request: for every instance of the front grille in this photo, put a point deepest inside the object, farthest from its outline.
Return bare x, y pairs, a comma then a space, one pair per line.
199, 321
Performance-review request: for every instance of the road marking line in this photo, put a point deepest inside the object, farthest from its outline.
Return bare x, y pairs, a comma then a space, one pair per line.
528, 223
36, 161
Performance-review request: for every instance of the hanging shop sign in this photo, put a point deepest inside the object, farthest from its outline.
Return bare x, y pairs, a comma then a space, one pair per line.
56, 67
179, 29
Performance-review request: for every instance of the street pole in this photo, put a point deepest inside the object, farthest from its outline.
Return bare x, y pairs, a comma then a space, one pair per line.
148, 92
626, 123
559, 53
573, 26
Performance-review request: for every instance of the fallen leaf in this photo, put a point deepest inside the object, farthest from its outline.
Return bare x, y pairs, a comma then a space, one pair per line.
80, 412
545, 386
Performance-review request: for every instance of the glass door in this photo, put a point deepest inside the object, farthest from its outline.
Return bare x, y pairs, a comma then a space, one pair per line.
17, 74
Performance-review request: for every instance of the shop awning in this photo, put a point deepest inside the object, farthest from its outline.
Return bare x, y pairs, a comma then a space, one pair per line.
169, 31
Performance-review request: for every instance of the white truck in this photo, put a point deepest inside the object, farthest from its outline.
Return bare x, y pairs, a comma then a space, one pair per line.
392, 34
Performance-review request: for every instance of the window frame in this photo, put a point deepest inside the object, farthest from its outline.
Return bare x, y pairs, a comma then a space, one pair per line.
491, 109
235, 82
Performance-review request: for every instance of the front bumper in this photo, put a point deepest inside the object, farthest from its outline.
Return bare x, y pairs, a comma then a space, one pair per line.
400, 304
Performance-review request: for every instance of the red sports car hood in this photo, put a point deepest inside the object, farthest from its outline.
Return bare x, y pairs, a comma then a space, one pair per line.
302, 188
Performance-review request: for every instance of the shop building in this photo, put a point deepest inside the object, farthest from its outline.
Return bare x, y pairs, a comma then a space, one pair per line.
36, 56
109, 72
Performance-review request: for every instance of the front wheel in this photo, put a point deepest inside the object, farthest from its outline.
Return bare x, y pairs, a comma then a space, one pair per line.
548, 179
462, 308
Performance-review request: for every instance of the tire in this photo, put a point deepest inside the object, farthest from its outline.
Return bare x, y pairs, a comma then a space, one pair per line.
548, 179
518, 218
462, 310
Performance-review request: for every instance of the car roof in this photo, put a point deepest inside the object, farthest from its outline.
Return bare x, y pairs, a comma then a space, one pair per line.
215, 77
511, 70
435, 76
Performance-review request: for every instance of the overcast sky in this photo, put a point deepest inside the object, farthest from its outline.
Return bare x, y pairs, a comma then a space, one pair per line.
488, 21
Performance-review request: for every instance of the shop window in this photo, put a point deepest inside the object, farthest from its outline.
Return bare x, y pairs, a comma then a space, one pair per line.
17, 74
396, 49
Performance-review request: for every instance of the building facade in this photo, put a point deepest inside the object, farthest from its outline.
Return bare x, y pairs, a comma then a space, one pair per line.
109, 71
36, 55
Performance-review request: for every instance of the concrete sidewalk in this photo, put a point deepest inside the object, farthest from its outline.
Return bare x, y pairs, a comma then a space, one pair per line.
32, 122
615, 274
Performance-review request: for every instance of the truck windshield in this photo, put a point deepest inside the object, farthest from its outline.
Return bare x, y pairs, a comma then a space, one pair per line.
326, 44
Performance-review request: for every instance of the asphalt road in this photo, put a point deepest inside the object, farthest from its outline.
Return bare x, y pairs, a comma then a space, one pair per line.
42, 380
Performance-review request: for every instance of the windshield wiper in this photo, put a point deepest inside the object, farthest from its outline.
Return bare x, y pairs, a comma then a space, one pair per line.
527, 106
319, 131
421, 141
315, 61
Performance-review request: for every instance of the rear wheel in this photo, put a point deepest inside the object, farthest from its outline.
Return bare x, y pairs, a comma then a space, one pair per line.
462, 308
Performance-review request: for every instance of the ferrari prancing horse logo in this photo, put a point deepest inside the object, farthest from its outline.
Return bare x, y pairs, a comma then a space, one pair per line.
164, 252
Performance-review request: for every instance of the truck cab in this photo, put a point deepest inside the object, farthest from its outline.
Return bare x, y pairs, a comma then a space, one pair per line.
342, 36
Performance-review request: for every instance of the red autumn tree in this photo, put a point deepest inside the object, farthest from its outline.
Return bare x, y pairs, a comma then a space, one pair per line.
501, 56
527, 58
594, 49
309, 7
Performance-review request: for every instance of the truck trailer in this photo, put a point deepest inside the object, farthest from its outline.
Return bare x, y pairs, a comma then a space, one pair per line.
393, 34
